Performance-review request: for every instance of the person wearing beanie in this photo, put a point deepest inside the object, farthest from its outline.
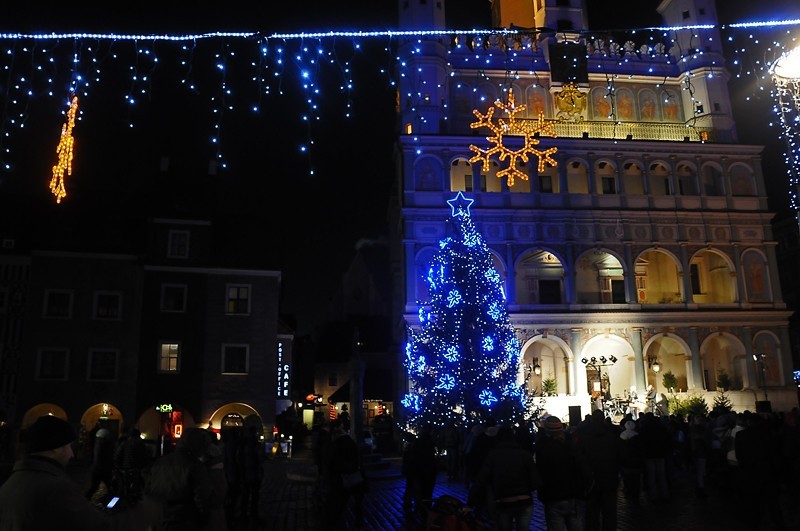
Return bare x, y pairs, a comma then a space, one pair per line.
102, 462
39, 494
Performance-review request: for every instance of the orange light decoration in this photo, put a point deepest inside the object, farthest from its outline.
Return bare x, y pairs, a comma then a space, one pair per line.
64, 151
509, 125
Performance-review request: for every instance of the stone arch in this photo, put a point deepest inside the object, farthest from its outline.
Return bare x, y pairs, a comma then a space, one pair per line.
552, 354
40, 410
539, 277
686, 178
577, 176
659, 177
599, 277
671, 352
605, 176
658, 277
712, 179
461, 179
633, 177
723, 351
712, 277
621, 375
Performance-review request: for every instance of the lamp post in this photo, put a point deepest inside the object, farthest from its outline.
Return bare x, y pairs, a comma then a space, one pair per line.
759, 359
786, 76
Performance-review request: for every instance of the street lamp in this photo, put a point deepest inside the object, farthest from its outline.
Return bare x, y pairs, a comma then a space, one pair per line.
760, 359
786, 76
537, 369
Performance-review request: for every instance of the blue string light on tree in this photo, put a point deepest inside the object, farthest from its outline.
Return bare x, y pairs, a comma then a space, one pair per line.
471, 349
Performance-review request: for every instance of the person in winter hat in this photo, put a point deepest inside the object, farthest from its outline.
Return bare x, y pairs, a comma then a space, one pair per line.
39, 494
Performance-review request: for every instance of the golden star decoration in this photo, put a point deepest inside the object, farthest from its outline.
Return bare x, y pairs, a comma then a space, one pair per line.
510, 125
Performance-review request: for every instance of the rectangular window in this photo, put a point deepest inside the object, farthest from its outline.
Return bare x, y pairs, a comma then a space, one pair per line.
483, 183
549, 292
102, 365
333, 380
173, 298
107, 305
618, 291
235, 359
169, 357
468, 183
546, 184
57, 304
178, 244
238, 299
3, 300
51, 364
609, 185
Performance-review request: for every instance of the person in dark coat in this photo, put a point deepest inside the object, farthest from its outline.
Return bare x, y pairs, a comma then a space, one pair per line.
131, 461
510, 474
180, 483
657, 444
39, 494
421, 468
600, 445
342, 458
102, 462
632, 461
566, 478
232, 466
252, 466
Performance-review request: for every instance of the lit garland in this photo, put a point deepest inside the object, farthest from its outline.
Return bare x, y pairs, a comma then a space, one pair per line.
33, 62
463, 363
786, 74
510, 126
66, 143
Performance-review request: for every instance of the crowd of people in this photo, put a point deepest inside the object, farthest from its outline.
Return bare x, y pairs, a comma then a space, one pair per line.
203, 484
576, 471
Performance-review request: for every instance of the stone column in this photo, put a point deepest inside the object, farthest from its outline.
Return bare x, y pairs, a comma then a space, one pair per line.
638, 362
579, 387
694, 374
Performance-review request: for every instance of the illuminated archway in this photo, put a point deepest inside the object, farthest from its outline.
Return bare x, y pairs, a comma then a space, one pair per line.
40, 410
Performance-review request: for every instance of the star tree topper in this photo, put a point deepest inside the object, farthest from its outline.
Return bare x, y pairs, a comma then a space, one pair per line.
509, 125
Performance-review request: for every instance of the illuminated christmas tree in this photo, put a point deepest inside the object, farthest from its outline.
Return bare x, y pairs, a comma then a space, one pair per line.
463, 361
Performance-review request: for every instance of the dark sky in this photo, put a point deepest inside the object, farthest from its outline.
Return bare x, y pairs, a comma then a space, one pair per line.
304, 225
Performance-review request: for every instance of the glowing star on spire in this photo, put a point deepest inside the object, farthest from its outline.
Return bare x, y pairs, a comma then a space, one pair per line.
64, 151
509, 125
460, 205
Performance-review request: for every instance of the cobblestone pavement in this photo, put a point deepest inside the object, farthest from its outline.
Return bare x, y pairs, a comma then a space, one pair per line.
291, 500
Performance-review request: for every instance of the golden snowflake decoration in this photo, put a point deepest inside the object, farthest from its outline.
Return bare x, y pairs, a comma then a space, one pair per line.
509, 125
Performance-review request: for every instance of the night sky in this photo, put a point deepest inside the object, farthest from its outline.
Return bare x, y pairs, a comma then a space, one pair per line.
304, 225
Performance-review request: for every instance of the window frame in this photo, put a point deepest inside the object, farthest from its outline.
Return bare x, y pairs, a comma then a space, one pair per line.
47, 305
225, 347
228, 299
161, 357
162, 307
96, 305
174, 247
92, 352
38, 373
